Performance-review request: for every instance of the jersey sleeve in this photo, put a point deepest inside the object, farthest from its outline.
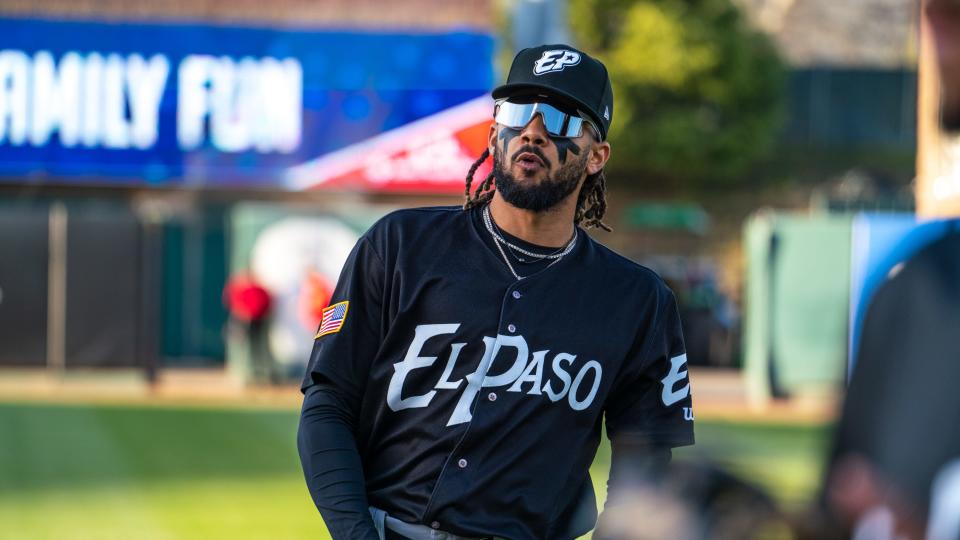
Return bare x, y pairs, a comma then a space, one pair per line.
651, 400
352, 327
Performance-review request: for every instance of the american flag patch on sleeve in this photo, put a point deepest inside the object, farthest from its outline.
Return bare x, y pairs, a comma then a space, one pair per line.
333, 318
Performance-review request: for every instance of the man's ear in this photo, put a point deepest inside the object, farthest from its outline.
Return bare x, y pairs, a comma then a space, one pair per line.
599, 155
492, 138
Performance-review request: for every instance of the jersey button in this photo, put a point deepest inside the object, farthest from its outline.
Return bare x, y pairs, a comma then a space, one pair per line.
462, 463
492, 396
517, 295
435, 525
511, 328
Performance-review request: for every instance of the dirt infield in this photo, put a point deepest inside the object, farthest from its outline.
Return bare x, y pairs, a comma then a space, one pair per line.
719, 394
214, 387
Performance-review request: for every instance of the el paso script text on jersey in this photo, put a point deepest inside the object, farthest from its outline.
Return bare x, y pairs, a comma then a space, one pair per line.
523, 370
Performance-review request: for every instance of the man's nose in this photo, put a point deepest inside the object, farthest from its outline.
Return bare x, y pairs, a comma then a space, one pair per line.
534, 132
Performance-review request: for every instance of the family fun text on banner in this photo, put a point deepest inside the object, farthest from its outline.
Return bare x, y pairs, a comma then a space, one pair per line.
204, 105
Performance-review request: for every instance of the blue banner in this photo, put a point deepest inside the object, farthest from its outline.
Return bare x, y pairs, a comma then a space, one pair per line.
203, 105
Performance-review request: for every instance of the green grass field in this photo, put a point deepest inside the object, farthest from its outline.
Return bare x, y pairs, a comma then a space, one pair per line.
165, 472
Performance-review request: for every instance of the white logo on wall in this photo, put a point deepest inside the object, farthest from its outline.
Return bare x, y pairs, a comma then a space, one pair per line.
555, 60
436, 156
113, 101
281, 258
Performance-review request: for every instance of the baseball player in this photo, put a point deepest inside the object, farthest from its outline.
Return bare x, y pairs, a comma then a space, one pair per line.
894, 468
461, 374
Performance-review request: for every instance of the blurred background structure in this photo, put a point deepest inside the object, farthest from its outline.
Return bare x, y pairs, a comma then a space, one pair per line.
180, 183
135, 135
208, 142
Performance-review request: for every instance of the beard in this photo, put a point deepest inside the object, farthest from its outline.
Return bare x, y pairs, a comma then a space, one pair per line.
540, 196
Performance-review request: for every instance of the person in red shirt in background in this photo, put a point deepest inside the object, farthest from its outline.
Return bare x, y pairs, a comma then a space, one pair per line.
246, 300
248, 303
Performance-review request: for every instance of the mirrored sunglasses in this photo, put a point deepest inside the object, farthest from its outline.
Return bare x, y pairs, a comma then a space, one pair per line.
557, 123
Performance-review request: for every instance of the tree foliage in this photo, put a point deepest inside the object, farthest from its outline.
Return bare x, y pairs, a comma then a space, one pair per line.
698, 94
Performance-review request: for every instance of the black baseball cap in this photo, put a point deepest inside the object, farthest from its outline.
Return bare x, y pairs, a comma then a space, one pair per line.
563, 72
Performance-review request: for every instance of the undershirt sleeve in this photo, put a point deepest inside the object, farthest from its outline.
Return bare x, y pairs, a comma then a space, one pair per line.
633, 466
333, 387
331, 464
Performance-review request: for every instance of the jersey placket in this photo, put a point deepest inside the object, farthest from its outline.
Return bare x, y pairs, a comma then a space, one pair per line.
455, 473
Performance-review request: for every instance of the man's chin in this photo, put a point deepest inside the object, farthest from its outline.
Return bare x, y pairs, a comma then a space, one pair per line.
538, 191
534, 197
530, 205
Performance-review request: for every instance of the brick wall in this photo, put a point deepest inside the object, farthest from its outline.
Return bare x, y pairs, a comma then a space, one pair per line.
849, 33
340, 13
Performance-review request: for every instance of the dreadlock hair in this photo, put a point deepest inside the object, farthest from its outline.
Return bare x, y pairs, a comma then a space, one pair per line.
591, 202
484, 191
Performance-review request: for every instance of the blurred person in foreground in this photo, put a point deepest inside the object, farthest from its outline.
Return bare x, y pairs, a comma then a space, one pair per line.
459, 380
895, 468
696, 500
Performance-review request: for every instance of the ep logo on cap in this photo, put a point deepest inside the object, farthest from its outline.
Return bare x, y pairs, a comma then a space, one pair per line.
555, 60
541, 71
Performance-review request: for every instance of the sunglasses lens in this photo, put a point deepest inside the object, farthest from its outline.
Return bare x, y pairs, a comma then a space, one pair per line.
574, 126
556, 122
515, 115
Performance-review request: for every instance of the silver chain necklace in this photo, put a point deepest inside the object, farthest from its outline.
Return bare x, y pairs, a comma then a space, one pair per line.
489, 223
498, 240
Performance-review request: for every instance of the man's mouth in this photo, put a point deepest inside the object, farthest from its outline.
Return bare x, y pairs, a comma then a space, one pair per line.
529, 161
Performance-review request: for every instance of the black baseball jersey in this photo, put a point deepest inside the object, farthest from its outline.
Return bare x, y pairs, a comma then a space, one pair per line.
479, 397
